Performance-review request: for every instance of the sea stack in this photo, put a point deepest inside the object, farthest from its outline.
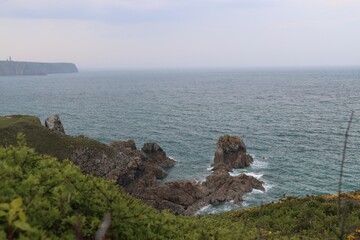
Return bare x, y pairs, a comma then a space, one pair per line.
230, 153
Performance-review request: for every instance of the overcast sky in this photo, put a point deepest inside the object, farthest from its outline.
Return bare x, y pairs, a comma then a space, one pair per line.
182, 33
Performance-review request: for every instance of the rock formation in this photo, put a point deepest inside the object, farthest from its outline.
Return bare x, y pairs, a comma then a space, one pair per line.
138, 171
230, 153
187, 197
53, 123
155, 153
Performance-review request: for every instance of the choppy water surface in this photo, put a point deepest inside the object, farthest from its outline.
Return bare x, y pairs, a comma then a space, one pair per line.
292, 121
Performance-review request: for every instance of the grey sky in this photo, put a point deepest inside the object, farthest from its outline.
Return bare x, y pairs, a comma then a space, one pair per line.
174, 33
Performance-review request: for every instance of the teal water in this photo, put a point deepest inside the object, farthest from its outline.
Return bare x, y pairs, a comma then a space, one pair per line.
292, 121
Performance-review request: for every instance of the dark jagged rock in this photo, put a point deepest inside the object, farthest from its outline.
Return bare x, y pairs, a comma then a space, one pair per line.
231, 153
137, 172
223, 187
186, 197
53, 123
99, 163
124, 146
157, 155
179, 196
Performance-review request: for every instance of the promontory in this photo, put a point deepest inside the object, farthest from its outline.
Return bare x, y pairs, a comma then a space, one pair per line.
16, 68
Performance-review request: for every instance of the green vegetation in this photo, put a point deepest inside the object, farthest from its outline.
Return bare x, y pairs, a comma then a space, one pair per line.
49, 199
43, 198
44, 141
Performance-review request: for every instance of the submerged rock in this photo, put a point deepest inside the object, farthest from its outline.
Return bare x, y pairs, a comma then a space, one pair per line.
231, 153
53, 123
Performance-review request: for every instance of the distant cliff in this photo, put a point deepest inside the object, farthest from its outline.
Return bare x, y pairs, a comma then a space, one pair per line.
13, 68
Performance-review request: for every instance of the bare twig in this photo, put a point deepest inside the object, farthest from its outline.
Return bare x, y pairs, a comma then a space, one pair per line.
342, 216
104, 227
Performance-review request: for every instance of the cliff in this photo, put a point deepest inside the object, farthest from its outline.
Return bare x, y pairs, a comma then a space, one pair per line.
14, 68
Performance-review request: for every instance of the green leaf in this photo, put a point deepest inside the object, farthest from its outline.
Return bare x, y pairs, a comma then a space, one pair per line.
22, 216
23, 226
2, 235
11, 215
16, 203
2, 213
4, 206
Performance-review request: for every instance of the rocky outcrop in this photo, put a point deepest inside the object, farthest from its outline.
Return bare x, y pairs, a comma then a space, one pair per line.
187, 197
157, 155
124, 146
138, 171
131, 168
143, 168
99, 163
53, 123
223, 187
180, 197
230, 153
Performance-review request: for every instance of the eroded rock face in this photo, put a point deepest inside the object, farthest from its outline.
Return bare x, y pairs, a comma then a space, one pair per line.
144, 168
231, 153
157, 155
180, 197
138, 171
223, 187
131, 168
124, 146
53, 123
186, 197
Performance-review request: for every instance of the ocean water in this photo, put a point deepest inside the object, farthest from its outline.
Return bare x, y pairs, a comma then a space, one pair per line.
292, 120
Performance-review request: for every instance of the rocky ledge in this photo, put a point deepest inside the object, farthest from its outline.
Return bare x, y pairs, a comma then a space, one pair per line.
137, 171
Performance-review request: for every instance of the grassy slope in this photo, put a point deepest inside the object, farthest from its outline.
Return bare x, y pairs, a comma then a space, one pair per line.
39, 138
68, 198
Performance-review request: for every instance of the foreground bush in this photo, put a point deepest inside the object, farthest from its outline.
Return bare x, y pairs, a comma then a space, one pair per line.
60, 201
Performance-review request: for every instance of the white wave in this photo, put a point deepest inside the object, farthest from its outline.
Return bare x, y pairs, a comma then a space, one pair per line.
244, 204
259, 164
237, 172
203, 209
257, 191
234, 174
172, 158
209, 168
255, 175
267, 186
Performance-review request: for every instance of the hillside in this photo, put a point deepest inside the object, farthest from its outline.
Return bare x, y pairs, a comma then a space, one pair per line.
54, 199
13, 68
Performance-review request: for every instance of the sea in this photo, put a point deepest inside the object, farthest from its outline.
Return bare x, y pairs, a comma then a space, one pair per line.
292, 120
